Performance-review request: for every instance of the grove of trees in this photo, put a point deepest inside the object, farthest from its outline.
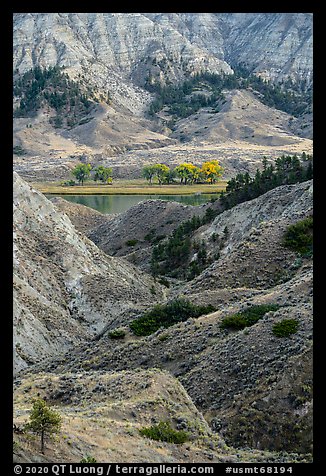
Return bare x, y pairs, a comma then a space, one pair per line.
51, 88
187, 173
82, 172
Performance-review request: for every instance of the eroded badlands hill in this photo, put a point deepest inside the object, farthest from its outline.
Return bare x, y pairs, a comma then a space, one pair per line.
252, 387
111, 47
65, 288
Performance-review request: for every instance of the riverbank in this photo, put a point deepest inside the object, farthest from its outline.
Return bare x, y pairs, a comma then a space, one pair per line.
128, 187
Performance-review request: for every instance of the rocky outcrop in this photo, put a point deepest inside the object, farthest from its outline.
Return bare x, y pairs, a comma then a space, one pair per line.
109, 48
65, 288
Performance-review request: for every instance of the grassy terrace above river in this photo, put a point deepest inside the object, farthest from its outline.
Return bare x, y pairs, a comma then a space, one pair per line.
128, 187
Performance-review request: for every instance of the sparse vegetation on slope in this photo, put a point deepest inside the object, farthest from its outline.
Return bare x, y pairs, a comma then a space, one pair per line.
173, 256
52, 88
205, 90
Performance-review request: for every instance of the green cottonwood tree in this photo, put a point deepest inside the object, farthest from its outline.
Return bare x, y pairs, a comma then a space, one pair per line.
43, 420
82, 172
149, 172
161, 171
104, 174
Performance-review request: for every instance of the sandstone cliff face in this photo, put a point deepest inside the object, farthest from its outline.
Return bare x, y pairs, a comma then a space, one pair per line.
65, 287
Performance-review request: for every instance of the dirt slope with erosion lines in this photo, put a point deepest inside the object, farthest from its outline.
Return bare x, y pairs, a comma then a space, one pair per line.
147, 222
230, 375
239, 136
84, 218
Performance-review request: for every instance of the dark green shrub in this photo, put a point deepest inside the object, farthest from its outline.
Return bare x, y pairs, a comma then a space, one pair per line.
150, 235
167, 315
131, 242
68, 183
164, 432
18, 150
299, 237
117, 334
164, 282
236, 321
157, 239
285, 328
248, 317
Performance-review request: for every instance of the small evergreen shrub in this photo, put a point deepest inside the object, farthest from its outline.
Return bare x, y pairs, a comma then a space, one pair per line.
285, 328
299, 237
117, 334
150, 235
164, 432
248, 317
164, 282
167, 315
131, 242
236, 321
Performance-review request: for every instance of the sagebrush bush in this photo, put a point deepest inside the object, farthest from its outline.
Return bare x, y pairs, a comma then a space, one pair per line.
164, 432
117, 334
285, 328
236, 321
88, 459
